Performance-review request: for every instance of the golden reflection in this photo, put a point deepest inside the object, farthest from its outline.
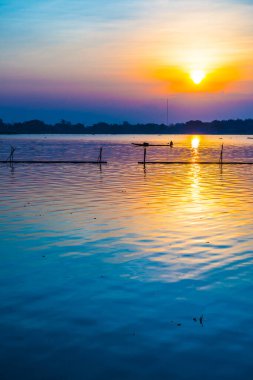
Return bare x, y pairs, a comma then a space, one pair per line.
194, 181
195, 142
190, 213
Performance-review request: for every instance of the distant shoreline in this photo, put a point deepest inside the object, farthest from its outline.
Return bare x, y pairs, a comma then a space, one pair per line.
216, 127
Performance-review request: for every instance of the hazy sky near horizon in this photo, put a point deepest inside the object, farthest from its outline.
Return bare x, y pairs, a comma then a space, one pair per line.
91, 60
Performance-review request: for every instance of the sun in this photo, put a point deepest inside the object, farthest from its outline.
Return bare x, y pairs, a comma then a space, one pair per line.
197, 76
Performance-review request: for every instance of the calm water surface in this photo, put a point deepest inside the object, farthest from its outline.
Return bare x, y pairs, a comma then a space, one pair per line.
116, 272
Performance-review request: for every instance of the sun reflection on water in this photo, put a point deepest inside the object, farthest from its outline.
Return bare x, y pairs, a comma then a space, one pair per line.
195, 142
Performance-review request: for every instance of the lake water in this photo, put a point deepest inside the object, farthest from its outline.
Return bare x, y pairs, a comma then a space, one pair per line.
124, 272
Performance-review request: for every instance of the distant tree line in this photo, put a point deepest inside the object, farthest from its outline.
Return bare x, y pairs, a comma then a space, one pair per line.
237, 126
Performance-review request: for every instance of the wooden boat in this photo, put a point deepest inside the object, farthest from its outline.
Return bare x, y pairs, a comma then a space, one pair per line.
141, 144
145, 144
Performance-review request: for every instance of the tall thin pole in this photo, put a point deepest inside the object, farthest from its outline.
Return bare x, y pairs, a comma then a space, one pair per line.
167, 114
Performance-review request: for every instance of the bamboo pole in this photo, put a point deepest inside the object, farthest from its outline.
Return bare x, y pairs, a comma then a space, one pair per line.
53, 162
192, 163
144, 158
11, 155
221, 155
100, 155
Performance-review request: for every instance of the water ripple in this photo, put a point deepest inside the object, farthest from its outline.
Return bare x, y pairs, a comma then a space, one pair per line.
128, 272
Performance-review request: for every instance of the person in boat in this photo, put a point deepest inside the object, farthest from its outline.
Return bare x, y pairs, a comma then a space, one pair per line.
171, 144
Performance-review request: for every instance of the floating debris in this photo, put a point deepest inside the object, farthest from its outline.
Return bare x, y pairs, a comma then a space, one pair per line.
176, 323
200, 320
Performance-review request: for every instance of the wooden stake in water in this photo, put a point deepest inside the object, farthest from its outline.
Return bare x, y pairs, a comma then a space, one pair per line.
11, 156
144, 158
100, 155
221, 155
